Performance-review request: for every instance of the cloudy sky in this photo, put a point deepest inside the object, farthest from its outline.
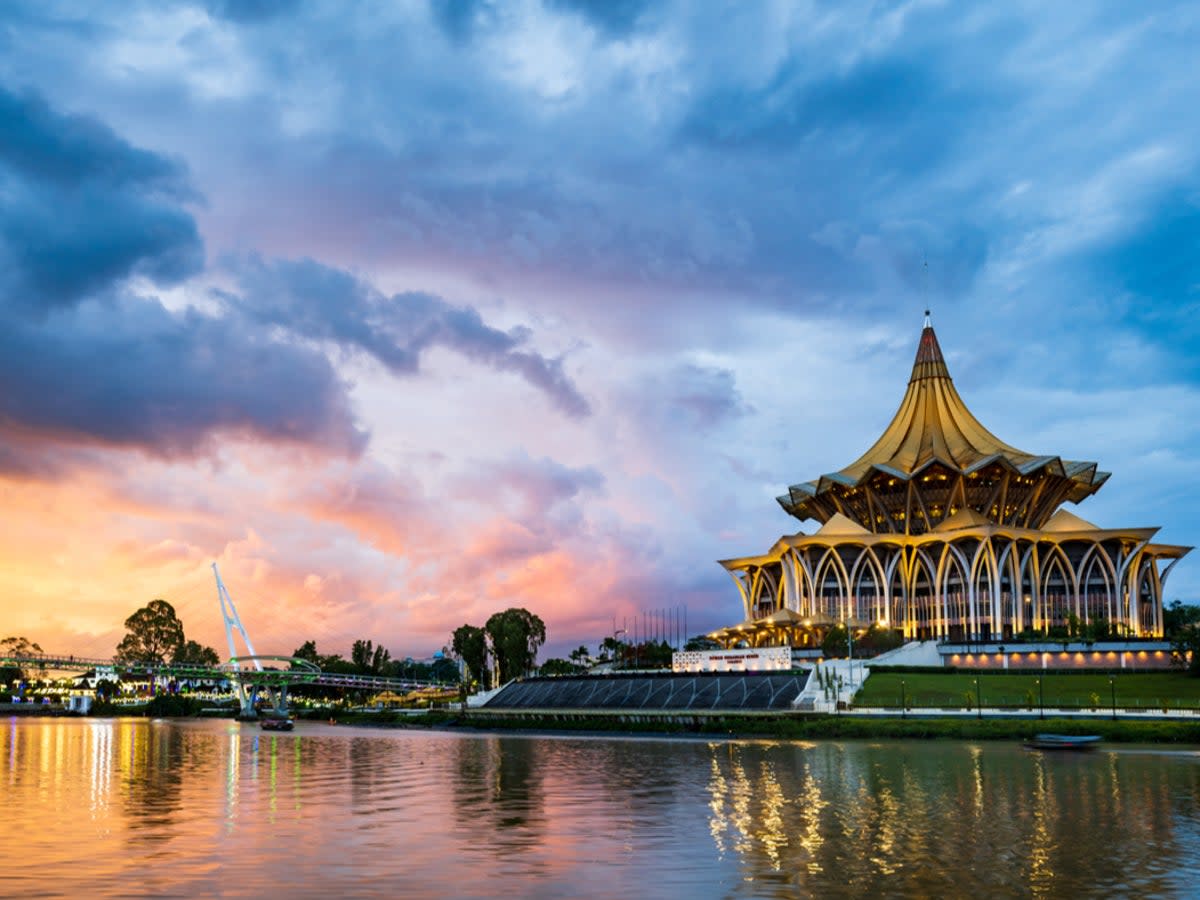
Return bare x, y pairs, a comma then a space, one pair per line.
408, 312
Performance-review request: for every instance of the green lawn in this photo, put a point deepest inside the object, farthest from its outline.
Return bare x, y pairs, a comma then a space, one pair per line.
958, 689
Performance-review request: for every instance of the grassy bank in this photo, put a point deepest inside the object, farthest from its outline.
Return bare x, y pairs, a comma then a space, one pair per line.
827, 727
1084, 690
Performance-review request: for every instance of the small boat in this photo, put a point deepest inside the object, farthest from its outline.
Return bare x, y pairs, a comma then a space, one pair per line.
277, 724
1064, 742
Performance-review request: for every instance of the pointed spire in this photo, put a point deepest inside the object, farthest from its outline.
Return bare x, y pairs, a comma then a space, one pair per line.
929, 362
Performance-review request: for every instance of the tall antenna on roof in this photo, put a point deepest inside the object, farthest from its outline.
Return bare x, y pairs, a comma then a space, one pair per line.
925, 290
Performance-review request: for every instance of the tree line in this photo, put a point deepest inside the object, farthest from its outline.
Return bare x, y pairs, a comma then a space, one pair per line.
368, 658
509, 639
507, 644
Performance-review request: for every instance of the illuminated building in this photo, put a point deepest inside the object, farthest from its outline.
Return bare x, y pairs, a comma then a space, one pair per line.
943, 531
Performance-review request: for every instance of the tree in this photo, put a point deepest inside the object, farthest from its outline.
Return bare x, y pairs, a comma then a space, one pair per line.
1177, 617
836, 643
612, 648
515, 635
469, 644
647, 655
444, 669
580, 656
18, 647
1185, 648
379, 660
878, 639
193, 653
154, 634
559, 667
308, 652
1072, 624
360, 655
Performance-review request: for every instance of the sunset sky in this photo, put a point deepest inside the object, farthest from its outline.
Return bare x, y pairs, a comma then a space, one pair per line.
404, 313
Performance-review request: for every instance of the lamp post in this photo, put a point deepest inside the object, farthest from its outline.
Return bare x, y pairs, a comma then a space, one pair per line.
1112, 690
978, 698
1041, 700
903, 701
850, 652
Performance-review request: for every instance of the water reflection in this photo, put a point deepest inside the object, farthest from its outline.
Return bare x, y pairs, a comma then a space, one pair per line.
857, 819
135, 807
498, 786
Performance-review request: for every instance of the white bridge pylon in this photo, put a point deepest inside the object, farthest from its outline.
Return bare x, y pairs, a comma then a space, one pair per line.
247, 693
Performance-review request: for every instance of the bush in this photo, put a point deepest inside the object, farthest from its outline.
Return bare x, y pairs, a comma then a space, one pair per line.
164, 705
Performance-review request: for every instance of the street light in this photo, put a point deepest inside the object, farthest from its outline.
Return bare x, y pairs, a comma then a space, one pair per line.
903, 701
850, 649
978, 698
1112, 689
1041, 699
616, 646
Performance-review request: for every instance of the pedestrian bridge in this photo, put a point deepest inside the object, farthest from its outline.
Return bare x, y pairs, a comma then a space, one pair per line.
249, 672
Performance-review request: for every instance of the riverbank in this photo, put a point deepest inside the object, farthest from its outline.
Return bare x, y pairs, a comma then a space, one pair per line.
792, 727
788, 726
37, 709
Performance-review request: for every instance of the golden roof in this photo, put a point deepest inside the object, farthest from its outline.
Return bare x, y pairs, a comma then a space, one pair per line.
933, 423
933, 430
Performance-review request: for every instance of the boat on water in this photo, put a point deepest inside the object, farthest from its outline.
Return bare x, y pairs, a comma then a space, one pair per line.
1064, 742
276, 724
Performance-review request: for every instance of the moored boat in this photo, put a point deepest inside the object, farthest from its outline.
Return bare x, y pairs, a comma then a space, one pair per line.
1064, 742
276, 724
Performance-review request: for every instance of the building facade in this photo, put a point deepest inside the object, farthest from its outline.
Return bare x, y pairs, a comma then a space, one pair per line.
943, 531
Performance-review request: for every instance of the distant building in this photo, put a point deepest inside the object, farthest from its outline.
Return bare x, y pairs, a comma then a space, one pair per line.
943, 531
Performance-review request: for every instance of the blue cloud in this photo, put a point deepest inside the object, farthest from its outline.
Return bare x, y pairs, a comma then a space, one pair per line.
250, 12
321, 303
456, 18
85, 361
81, 209
133, 374
1160, 261
616, 18
674, 182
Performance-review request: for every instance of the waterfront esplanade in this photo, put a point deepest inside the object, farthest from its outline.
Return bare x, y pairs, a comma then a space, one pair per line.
943, 531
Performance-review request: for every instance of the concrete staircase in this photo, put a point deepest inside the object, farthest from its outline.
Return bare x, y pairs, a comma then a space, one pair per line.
847, 677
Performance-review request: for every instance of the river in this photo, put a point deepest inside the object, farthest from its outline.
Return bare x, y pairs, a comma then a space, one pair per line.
134, 807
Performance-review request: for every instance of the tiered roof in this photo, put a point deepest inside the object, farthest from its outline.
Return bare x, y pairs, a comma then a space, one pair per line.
935, 459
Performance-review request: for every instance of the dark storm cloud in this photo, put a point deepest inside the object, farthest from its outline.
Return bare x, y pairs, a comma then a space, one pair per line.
131, 373
718, 184
83, 360
321, 303
80, 208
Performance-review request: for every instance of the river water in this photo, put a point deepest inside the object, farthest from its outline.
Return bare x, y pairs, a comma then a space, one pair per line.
212, 808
